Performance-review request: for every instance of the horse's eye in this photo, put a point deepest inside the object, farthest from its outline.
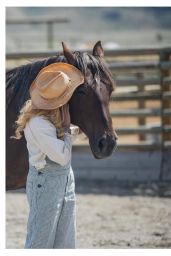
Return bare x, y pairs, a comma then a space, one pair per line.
81, 91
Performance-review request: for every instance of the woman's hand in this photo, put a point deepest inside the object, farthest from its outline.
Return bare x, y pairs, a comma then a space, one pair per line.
66, 124
66, 117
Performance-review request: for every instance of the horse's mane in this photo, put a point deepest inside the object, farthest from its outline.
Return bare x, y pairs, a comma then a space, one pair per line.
19, 79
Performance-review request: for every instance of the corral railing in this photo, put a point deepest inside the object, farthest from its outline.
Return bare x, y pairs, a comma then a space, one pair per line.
49, 23
142, 75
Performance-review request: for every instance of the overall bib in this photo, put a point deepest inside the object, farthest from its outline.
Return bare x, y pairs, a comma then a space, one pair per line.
51, 197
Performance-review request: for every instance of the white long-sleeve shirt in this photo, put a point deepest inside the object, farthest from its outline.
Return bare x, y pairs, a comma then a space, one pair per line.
42, 141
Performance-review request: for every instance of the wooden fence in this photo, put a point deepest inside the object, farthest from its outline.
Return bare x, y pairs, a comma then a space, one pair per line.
142, 68
49, 23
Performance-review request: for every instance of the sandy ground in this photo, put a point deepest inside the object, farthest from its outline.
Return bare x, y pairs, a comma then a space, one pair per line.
108, 216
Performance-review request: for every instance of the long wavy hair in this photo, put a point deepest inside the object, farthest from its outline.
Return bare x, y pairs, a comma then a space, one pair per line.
55, 116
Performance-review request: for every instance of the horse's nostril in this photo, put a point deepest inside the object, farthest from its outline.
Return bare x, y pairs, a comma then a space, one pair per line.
102, 144
107, 144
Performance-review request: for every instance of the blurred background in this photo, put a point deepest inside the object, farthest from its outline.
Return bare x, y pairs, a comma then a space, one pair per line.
82, 26
127, 196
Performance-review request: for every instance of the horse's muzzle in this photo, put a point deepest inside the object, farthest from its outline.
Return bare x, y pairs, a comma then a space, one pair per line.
104, 146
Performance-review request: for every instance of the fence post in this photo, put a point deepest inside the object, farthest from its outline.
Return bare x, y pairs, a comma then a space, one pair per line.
141, 105
50, 35
165, 168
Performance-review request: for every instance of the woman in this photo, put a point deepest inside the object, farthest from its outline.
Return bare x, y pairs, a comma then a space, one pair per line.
50, 186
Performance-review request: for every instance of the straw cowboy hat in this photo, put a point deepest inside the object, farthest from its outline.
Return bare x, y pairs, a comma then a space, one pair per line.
54, 85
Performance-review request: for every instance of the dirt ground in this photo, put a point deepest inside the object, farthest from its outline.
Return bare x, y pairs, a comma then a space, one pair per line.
108, 216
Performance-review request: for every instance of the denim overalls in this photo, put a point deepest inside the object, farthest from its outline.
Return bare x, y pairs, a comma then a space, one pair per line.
51, 197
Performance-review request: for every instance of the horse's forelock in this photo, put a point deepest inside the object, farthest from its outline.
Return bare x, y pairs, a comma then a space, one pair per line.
96, 65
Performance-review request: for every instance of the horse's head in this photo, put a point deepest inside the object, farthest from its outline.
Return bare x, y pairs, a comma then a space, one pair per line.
89, 105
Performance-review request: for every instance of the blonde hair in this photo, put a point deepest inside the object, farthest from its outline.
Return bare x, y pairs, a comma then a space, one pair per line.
27, 112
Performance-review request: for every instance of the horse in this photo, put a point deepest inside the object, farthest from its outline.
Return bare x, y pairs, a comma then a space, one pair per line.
88, 107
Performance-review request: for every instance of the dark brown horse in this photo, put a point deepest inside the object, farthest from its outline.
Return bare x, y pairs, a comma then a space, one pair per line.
89, 108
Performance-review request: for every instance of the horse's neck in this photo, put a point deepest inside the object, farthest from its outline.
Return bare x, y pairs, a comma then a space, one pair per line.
20, 79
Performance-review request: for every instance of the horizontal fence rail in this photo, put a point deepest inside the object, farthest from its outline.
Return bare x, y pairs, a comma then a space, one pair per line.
140, 112
109, 53
140, 65
143, 74
125, 81
141, 96
36, 21
144, 129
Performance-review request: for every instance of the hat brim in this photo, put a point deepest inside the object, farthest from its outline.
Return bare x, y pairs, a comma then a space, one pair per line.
74, 74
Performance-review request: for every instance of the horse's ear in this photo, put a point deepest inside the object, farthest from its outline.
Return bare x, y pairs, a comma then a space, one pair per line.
98, 49
68, 54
